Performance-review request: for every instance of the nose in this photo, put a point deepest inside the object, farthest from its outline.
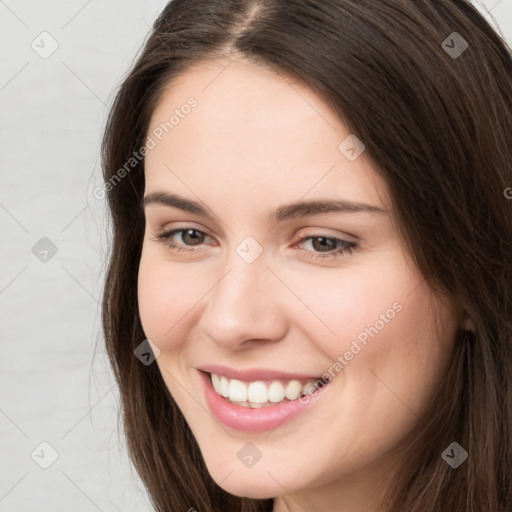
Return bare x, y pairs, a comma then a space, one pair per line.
246, 305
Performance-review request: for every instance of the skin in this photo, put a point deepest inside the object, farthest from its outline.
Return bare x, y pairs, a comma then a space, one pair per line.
255, 141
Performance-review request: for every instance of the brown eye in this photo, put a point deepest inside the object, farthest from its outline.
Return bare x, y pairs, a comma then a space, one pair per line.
323, 244
194, 236
190, 237
324, 247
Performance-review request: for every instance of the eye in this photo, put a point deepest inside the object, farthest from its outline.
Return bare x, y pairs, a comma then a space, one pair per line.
328, 247
192, 235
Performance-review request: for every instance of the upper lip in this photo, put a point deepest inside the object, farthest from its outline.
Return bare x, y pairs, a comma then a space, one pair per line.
255, 374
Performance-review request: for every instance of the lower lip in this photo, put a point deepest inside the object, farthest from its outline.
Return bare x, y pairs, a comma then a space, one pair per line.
257, 419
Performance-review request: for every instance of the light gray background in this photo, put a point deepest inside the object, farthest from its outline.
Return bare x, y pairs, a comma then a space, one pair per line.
55, 387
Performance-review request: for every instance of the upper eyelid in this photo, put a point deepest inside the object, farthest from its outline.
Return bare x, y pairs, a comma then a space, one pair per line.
163, 230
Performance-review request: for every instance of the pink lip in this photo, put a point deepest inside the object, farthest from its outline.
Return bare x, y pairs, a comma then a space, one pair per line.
253, 420
254, 374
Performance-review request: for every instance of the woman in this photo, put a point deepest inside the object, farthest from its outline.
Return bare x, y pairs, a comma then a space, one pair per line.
307, 305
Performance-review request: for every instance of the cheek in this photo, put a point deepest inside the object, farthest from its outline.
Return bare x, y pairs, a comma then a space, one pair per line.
164, 297
392, 358
378, 318
355, 303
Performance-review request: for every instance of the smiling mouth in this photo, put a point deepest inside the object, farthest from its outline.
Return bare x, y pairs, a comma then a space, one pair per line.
261, 393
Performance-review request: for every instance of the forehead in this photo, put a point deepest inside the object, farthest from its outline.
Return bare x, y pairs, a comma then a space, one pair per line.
252, 130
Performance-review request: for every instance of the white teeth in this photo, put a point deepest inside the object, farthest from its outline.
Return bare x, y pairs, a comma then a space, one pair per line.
293, 390
237, 391
224, 387
258, 394
216, 382
275, 392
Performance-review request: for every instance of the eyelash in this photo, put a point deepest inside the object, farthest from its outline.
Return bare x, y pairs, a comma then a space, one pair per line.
346, 247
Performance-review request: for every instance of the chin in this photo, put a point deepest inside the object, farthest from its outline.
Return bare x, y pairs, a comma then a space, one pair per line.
248, 483
251, 489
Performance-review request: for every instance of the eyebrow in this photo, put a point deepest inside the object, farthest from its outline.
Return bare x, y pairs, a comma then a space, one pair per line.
285, 212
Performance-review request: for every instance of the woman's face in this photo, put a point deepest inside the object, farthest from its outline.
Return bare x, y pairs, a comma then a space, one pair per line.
268, 291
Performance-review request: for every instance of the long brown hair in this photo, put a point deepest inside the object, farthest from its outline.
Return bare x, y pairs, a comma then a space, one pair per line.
434, 110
